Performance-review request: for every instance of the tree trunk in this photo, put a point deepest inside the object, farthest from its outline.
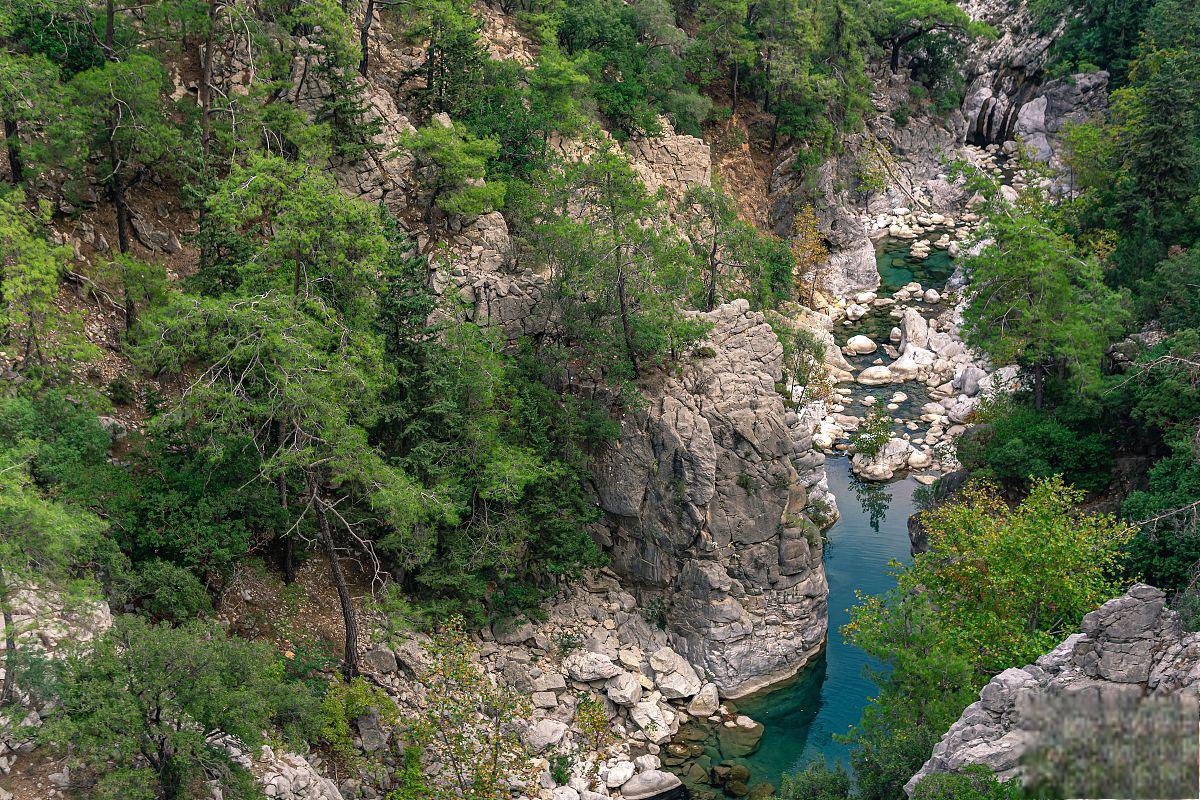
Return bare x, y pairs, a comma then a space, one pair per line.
13, 145
625, 328
895, 62
735, 87
1039, 379
364, 37
110, 19
350, 655
10, 642
289, 564
206, 67
712, 276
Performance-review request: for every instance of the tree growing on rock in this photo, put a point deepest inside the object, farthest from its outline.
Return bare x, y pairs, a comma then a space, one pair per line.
451, 164
902, 21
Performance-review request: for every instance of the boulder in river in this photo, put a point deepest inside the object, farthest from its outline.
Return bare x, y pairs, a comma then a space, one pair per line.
875, 376
861, 345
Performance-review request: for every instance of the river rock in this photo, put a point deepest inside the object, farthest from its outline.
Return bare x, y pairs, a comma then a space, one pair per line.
855, 312
914, 329
706, 702
861, 344
619, 774
588, 667
891, 458
967, 380
654, 720
738, 739
875, 376
624, 689
650, 783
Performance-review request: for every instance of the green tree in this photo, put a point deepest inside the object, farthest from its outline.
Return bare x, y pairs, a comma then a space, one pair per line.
730, 249
30, 268
999, 586
145, 706
617, 270
902, 21
41, 541
452, 164
467, 727
724, 39
1038, 299
120, 104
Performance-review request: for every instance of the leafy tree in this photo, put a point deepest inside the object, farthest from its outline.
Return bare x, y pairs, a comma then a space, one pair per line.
730, 248
452, 164
617, 273
998, 587
724, 38
816, 782
976, 782
469, 726
41, 541
144, 708
1039, 300
121, 107
902, 21
1021, 444
30, 268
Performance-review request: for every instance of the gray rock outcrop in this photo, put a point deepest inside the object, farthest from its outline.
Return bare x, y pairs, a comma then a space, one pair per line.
705, 511
1132, 652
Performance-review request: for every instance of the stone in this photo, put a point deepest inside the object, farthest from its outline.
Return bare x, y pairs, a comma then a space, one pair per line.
740, 739
653, 720
380, 659
545, 700
861, 344
564, 793
619, 774
855, 312
706, 702
623, 689
676, 678
1132, 658
588, 667
545, 734
649, 784
513, 631
875, 376
549, 682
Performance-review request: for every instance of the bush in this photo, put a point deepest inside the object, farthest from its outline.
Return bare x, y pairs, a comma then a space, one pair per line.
343, 704
121, 391
168, 592
1021, 444
873, 434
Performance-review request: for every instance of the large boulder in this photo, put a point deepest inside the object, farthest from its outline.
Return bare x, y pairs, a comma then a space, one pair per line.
545, 734
588, 667
705, 512
650, 784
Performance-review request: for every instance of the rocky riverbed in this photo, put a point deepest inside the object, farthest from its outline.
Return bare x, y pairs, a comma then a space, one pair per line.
901, 348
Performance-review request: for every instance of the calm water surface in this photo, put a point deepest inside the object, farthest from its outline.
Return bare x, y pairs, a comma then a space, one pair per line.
829, 695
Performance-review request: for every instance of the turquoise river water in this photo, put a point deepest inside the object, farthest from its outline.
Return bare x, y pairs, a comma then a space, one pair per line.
828, 696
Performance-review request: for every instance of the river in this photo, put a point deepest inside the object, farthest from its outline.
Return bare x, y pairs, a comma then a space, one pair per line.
801, 717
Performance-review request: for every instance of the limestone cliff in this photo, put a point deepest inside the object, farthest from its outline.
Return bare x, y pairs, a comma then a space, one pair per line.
1132, 656
705, 511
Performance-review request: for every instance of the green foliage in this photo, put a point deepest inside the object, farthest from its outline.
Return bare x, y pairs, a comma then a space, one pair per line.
465, 725
453, 164
136, 707
164, 591
872, 434
345, 703
976, 782
412, 783
816, 782
998, 587
1038, 299
1020, 445
37, 339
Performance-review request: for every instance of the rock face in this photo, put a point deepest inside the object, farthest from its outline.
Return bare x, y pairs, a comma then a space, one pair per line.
705, 510
1132, 651
1008, 94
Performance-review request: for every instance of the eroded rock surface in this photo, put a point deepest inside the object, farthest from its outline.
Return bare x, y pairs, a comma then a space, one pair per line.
705, 510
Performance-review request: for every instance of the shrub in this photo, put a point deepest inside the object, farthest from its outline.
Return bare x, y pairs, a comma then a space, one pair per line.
873, 434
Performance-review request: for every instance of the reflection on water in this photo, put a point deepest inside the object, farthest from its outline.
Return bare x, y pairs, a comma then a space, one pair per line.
827, 697
873, 498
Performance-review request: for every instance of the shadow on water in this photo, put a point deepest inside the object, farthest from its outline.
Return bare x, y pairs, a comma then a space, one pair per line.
801, 717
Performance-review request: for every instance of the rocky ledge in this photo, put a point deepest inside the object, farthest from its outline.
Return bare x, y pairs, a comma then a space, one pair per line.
707, 516
1133, 656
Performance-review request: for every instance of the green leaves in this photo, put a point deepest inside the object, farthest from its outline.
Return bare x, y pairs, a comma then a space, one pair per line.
453, 164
